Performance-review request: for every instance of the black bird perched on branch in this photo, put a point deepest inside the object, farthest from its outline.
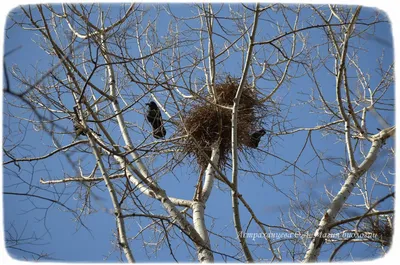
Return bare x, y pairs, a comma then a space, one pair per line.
255, 138
155, 119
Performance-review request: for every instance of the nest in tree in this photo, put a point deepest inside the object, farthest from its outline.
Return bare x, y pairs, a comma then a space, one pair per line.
206, 122
380, 228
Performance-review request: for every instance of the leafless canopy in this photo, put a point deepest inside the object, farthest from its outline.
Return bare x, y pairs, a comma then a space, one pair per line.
318, 79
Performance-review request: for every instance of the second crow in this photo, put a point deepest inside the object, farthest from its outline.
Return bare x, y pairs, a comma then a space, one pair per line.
154, 117
255, 138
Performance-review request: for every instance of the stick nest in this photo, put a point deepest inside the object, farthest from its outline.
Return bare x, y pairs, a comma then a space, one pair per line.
205, 122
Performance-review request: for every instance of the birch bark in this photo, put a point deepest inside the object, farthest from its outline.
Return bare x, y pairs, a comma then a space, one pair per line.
324, 226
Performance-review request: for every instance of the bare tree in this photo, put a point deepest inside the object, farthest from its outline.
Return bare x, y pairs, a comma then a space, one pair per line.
219, 74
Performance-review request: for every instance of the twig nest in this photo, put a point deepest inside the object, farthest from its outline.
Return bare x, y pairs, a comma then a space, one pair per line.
205, 122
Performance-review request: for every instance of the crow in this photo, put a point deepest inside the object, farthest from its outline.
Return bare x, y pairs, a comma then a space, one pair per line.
255, 138
155, 119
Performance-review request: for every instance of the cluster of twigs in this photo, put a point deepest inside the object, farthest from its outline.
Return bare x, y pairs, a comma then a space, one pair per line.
210, 119
381, 228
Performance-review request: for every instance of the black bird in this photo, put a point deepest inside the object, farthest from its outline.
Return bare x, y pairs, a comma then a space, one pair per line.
255, 138
155, 119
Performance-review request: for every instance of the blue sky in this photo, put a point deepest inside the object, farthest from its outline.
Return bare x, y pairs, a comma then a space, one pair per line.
67, 241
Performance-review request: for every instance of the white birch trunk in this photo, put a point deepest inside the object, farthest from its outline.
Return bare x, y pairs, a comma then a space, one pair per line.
210, 173
204, 253
329, 217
